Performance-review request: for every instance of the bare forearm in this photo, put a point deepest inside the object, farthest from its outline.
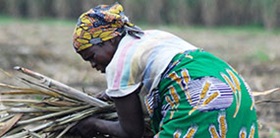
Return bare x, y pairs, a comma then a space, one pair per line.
130, 115
130, 122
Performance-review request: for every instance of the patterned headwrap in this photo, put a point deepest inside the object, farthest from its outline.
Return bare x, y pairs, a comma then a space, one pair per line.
100, 24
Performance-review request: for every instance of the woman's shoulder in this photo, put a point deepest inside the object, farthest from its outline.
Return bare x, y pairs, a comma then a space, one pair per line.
155, 31
161, 34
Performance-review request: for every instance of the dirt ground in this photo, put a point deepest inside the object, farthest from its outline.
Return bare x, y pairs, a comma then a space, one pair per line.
47, 48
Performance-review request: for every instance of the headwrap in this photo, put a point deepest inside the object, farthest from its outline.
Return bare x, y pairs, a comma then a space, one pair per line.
100, 24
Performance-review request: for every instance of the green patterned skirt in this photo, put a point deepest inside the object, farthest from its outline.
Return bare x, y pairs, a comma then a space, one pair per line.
201, 96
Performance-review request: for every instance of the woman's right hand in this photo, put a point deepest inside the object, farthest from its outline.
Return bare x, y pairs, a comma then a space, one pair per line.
83, 128
86, 128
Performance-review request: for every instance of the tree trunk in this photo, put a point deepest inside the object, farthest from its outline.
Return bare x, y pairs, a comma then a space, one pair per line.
209, 12
13, 7
61, 8
269, 13
153, 11
35, 8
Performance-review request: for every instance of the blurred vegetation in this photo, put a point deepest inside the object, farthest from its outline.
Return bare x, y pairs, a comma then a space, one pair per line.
232, 30
265, 13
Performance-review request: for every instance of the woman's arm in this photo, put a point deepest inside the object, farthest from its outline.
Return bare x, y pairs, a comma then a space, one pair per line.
130, 116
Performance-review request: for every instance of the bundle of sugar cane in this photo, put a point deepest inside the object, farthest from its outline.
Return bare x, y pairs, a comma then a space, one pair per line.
46, 108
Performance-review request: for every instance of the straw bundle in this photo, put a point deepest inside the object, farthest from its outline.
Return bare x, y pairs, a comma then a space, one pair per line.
48, 108
45, 107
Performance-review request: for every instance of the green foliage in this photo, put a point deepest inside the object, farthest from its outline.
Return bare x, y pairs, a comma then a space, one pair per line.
259, 55
180, 12
273, 133
48, 21
251, 29
262, 56
4, 19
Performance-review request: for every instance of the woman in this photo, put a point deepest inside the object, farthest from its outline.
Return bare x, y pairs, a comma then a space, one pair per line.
186, 91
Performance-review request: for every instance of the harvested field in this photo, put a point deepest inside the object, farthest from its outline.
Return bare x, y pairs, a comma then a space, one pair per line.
47, 48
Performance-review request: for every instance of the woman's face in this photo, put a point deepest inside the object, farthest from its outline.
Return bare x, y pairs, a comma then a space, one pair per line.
99, 56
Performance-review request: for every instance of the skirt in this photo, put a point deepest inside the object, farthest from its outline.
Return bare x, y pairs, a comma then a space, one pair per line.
201, 96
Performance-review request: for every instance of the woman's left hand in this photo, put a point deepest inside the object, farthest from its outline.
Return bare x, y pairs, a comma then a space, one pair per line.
84, 128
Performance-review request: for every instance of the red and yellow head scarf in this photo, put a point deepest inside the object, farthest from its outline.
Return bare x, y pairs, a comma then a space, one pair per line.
100, 24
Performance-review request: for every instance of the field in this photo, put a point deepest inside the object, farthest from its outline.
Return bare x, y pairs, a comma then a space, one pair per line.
45, 47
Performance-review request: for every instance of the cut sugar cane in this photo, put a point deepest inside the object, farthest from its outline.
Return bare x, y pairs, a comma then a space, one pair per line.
62, 87
49, 109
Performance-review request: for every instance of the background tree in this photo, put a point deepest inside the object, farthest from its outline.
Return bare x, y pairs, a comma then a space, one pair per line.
180, 12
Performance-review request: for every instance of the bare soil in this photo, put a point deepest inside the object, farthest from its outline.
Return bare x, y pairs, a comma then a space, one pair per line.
47, 48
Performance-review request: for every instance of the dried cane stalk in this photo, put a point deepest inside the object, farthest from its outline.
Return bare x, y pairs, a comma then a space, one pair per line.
48, 109
62, 87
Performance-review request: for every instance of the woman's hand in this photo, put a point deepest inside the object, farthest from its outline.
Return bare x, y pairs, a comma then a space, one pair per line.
130, 121
103, 96
84, 128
